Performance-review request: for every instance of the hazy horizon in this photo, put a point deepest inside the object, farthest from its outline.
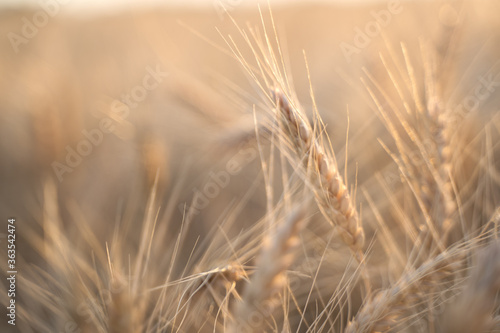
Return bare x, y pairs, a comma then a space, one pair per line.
96, 5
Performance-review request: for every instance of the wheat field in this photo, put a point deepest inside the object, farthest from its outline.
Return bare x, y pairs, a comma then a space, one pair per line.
240, 168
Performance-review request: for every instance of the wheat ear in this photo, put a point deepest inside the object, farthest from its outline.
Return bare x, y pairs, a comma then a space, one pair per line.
438, 125
330, 192
386, 308
277, 254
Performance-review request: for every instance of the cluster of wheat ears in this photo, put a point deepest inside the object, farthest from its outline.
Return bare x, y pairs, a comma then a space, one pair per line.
423, 260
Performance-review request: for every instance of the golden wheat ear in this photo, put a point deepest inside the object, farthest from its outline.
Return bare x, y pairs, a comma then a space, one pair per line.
278, 253
395, 306
330, 192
